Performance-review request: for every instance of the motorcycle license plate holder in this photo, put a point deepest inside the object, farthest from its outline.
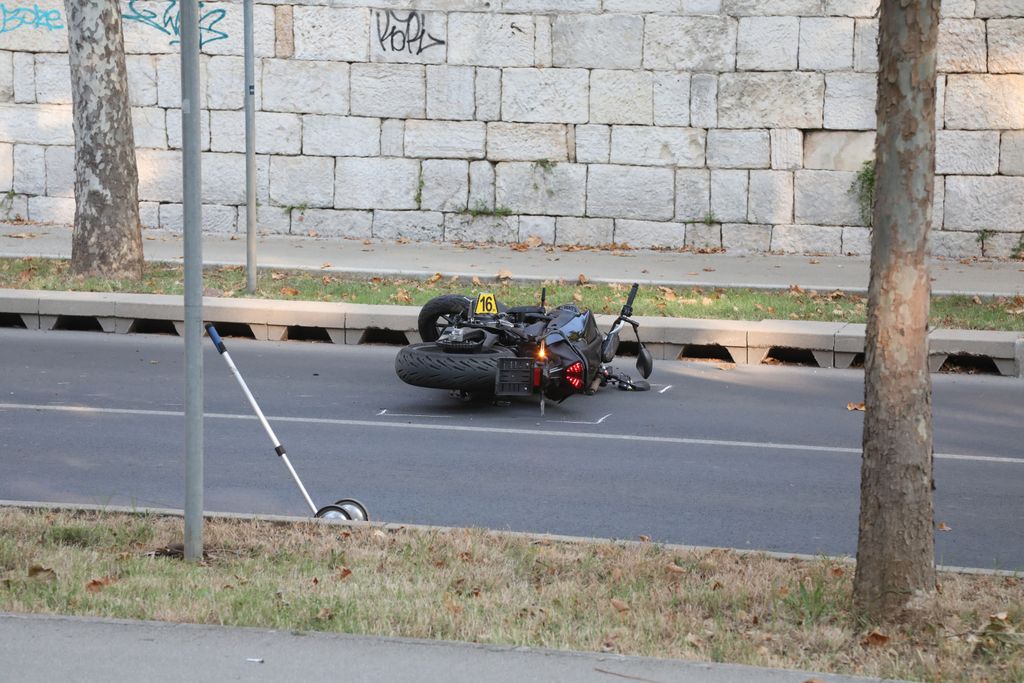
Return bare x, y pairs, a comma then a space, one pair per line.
515, 377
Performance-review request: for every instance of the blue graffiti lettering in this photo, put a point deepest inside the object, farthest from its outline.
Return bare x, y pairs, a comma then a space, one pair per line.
168, 21
13, 18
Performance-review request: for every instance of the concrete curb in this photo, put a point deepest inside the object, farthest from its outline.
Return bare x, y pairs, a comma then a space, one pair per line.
826, 344
392, 526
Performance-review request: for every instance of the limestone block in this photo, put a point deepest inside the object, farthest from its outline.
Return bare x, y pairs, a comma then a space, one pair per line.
852, 8
445, 185
484, 39
768, 43
995, 9
957, 8
590, 231
271, 220
149, 127
598, 41
644, 6
389, 90
551, 6
967, 152
310, 87
690, 43
488, 94
481, 185
302, 181
225, 80
671, 98
856, 241
348, 30
168, 80
224, 178
593, 144
149, 214
6, 76
545, 189
392, 138
342, 136
631, 192
621, 97
412, 36
729, 196
865, 46
648, 234
1003, 245
159, 175
50, 35
657, 146
57, 210
1006, 45
545, 95
53, 79
938, 202
704, 101
38, 124
807, 239
375, 183
539, 226
826, 43
466, 228
838, 150
962, 46
334, 223
704, 236
29, 169
693, 194
6, 166
277, 132
702, 7
745, 238
984, 203
940, 101
1011, 157
173, 123
787, 149
745, 8
526, 142
284, 31
770, 100
24, 66
543, 50
949, 244
414, 225
16, 209
216, 218
824, 198
771, 197
445, 139
980, 102
450, 92
231, 26
738, 149
60, 171
850, 101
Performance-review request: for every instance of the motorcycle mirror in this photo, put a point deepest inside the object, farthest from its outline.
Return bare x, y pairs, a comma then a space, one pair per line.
644, 362
609, 347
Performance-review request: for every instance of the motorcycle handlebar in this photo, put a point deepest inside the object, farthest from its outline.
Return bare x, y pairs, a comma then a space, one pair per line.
627, 310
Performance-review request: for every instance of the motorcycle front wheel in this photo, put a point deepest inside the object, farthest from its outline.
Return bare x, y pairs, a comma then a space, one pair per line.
427, 365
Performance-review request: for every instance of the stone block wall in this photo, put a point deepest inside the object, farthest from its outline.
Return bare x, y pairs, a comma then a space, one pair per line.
705, 123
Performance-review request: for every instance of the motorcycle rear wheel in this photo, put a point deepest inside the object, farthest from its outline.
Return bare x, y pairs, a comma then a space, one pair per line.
427, 365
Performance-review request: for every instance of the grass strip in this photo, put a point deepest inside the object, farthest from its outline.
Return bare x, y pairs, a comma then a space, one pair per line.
957, 312
485, 587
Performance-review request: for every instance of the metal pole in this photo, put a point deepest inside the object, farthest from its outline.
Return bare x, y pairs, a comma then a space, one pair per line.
250, 150
192, 195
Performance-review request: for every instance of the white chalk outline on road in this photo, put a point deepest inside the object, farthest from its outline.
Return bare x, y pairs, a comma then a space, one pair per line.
500, 430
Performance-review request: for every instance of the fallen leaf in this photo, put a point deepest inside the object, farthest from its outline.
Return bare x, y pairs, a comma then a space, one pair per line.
402, 296
999, 616
326, 265
674, 568
855, 406
519, 246
726, 366
325, 614
814, 261
476, 281
343, 573
976, 299
709, 270
534, 241
583, 279
668, 293
277, 276
694, 640
619, 605
875, 638
717, 586
504, 274
434, 278
837, 572
813, 680
451, 605
577, 297
645, 538
41, 573
706, 301
289, 291
96, 585
232, 238
944, 527
403, 240
367, 242
22, 235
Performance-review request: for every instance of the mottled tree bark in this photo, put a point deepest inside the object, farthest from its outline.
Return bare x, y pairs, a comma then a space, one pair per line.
107, 240
896, 546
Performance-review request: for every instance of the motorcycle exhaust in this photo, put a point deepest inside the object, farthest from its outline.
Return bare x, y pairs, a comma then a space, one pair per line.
346, 508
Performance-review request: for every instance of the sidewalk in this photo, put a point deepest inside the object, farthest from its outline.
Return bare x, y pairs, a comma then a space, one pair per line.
420, 260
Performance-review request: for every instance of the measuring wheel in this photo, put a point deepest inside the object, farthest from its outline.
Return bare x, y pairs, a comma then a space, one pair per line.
346, 508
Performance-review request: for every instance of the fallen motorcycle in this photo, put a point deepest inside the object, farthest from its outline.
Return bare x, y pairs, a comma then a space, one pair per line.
479, 347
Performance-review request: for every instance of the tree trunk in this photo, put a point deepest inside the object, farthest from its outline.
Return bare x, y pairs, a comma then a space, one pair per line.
107, 239
896, 543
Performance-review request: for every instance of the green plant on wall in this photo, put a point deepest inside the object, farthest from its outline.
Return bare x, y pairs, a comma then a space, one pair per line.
863, 189
1018, 251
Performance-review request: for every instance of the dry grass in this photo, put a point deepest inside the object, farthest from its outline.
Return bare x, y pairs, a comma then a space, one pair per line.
632, 598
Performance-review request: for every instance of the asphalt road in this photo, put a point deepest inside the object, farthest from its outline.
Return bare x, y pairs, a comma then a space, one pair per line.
753, 457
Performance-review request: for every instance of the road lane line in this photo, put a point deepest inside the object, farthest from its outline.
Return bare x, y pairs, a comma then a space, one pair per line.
581, 422
665, 389
678, 440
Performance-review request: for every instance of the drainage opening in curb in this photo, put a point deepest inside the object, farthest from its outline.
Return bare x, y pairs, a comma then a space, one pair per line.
308, 334
375, 335
857, 362
78, 323
12, 320
705, 352
234, 330
628, 348
147, 326
964, 364
778, 355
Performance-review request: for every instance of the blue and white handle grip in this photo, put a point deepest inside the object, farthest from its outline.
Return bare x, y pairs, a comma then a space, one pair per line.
215, 338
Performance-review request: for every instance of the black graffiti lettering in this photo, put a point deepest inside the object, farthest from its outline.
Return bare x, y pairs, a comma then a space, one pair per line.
405, 33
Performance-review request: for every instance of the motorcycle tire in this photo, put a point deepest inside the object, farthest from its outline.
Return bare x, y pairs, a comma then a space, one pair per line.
427, 365
436, 314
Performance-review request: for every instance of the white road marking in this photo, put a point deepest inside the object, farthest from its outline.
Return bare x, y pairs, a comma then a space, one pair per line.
665, 389
754, 445
575, 422
385, 413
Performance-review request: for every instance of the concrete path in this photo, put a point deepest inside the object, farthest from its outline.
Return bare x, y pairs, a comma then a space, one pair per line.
44, 649
417, 259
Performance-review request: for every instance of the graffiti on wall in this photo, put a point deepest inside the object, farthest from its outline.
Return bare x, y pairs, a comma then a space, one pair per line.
169, 20
13, 18
398, 32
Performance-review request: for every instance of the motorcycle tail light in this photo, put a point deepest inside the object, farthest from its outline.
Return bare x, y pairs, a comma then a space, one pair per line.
574, 373
536, 375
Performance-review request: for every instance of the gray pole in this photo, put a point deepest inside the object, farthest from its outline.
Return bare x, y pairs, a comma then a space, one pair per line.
192, 191
250, 150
